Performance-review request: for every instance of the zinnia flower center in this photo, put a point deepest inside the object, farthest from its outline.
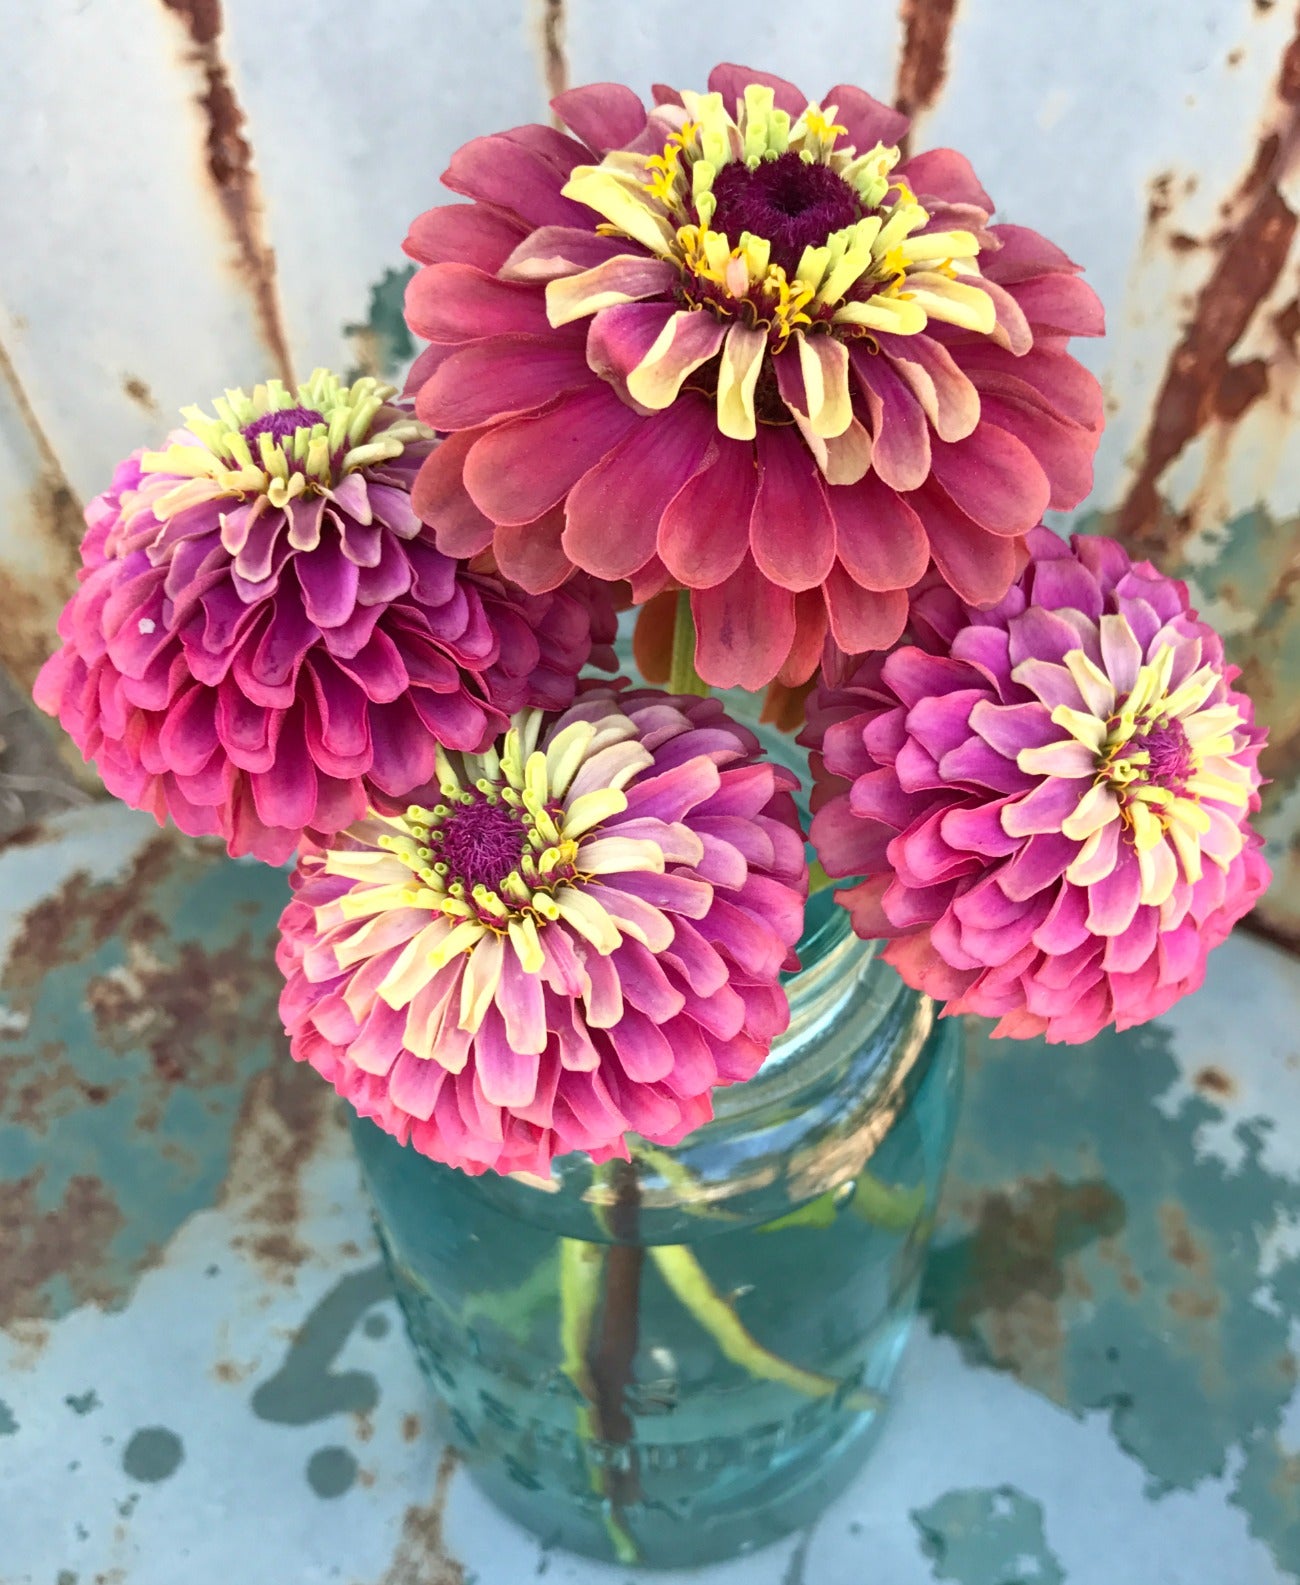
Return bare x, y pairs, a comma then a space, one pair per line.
790, 201
480, 843
281, 444
1170, 760
282, 423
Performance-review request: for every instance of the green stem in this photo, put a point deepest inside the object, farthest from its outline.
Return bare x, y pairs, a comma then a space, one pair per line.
689, 1282
682, 675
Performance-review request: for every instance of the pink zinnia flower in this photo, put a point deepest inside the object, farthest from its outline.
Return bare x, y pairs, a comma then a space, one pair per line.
266, 638
1047, 801
582, 937
738, 344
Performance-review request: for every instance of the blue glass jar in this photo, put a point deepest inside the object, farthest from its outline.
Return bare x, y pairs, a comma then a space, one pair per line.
684, 1358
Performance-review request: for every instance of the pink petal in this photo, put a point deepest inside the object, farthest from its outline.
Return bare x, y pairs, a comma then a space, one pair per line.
456, 302
619, 337
498, 377
978, 565
865, 120
878, 536
1113, 900
704, 529
441, 499
604, 115
943, 173
521, 468
944, 390
745, 627
862, 619
1064, 451
731, 81
463, 234
1061, 305
504, 171
994, 479
613, 512
791, 531
532, 554
899, 430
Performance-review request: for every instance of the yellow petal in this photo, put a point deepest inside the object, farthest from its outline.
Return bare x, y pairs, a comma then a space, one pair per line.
824, 363
954, 302
899, 316
624, 203
480, 978
1086, 728
591, 808
527, 944
579, 909
1097, 689
565, 752
1097, 807
1158, 869
742, 361
615, 855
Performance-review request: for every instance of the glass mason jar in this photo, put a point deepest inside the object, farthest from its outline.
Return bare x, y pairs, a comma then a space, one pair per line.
684, 1357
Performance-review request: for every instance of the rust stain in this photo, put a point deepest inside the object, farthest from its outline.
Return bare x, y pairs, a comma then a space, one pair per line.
229, 158
138, 391
1180, 1242
38, 1244
52, 518
1201, 383
555, 60
1005, 1283
923, 61
285, 1113
74, 922
1214, 1081
191, 1015
421, 1557
1160, 199
410, 1427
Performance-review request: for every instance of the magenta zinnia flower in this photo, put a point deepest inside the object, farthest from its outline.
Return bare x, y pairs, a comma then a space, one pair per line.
1048, 801
266, 638
582, 937
738, 344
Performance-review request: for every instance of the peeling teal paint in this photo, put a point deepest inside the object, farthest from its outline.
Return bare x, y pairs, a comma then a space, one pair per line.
1153, 1317
982, 1537
331, 1471
8, 1425
307, 1388
82, 1402
140, 1009
153, 1454
382, 343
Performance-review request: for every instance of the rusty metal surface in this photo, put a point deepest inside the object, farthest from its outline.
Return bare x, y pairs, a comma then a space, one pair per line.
203, 1374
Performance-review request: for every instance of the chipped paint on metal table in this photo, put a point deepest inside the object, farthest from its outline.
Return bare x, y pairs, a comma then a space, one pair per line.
203, 1375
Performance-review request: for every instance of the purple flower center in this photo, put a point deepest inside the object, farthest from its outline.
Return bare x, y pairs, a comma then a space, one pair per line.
282, 423
793, 203
1171, 761
480, 843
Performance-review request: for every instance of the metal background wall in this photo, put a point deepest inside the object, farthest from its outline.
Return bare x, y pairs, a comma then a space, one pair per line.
198, 194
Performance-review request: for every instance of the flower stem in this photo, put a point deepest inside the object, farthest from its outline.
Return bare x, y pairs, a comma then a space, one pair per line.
690, 1283
682, 675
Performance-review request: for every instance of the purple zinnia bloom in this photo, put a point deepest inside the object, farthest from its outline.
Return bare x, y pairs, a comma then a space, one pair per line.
738, 343
580, 937
1047, 802
266, 638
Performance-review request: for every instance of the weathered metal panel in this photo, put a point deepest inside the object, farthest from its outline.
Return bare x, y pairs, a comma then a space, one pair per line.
202, 1371
209, 196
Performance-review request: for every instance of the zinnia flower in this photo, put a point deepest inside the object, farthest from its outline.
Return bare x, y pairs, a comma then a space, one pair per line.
738, 344
582, 937
267, 639
1049, 800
